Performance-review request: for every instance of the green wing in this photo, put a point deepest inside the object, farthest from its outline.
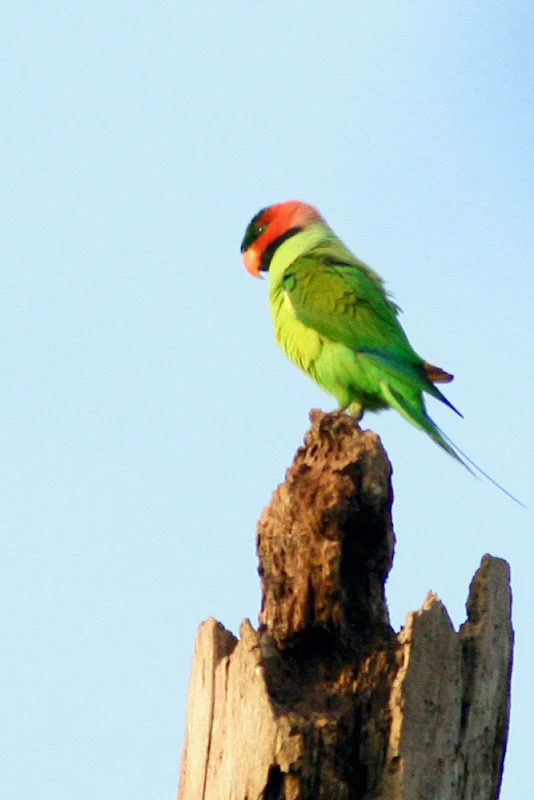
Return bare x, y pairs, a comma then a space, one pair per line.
346, 302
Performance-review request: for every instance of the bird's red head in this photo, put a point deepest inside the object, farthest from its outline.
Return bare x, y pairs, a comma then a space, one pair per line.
269, 228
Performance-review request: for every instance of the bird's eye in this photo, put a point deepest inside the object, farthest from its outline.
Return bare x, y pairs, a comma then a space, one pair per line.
253, 231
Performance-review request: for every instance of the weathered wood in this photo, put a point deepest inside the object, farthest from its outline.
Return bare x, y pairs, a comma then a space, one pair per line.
450, 700
325, 541
325, 701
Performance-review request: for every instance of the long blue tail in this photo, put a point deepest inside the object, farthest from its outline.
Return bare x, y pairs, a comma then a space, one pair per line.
415, 413
478, 469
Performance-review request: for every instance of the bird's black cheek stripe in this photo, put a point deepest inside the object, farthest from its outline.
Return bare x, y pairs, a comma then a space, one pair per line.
269, 251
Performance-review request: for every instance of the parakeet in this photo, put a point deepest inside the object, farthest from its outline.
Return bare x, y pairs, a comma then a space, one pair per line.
334, 319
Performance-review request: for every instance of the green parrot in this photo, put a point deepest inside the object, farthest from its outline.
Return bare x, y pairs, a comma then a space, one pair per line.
333, 318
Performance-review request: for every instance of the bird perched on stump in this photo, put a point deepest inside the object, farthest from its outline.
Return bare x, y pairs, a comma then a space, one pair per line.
334, 319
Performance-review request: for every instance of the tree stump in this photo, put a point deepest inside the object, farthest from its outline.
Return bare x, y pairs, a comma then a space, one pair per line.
325, 701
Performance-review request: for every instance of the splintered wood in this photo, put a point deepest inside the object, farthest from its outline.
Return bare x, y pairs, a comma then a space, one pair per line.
325, 701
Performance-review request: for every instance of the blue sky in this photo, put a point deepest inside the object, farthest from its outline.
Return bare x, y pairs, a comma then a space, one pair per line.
146, 414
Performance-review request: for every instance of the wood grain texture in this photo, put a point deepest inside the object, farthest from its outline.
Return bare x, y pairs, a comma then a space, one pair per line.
325, 701
325, 542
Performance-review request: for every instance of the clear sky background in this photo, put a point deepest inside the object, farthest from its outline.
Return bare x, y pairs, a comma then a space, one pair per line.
146, 414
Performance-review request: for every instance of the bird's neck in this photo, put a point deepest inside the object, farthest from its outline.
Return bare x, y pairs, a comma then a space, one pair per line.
294, 247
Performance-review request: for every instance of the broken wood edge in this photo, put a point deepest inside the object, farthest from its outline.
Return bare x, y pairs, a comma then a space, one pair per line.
449, 707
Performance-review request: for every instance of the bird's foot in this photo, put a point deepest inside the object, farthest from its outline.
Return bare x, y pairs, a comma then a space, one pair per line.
354, 410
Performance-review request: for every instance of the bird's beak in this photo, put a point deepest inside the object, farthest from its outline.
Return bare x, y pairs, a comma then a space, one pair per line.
251, 260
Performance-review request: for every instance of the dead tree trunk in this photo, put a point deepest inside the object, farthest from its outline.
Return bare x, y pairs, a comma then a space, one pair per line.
325, 701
